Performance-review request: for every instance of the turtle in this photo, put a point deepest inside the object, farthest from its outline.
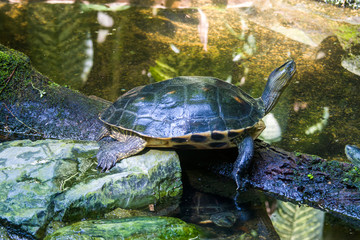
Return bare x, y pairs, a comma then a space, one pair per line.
353, 154
189, 112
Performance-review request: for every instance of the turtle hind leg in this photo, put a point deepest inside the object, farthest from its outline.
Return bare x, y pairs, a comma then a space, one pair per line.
240, 171
112, 151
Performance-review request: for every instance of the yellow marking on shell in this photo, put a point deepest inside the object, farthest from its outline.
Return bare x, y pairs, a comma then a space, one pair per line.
238, 131
171, 92
238, 99
205, 89
206, 221
254, 131
170, 143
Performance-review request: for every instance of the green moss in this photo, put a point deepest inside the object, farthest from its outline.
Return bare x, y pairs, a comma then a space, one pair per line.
15, 67
297, 154
352, 177
132, 228
347, 34
9, 59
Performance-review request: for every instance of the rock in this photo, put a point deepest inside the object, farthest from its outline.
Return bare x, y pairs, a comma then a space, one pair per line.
5, 235
50, 180
36, 107
130, 228
154, 178
352, 64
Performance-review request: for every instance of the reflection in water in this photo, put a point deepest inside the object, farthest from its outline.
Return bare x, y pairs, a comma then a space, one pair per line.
61, 47
298, 222
174, 48
106, 21
352, 64
299, 106
318, 127
272, 132
89, 60
203, 29
102, 34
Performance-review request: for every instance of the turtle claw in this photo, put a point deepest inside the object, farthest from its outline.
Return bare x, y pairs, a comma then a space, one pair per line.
242, 184
105, 165
106, 160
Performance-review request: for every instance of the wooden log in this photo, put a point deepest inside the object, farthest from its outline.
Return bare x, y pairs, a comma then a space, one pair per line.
299, 178
330, 186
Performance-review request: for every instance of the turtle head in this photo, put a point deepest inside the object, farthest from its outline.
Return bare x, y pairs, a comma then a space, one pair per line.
276, 84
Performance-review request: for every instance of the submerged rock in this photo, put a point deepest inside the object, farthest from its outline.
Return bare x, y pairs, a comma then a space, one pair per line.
130, 228
56, 180
352, 64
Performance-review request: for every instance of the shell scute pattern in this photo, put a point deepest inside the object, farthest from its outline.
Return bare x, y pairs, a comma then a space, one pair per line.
232, 134
198, 138
217, 136
172, 102
198, 126
217, 124
179, 140
136, 104
179, 127
128, 119
217, 144
184, 106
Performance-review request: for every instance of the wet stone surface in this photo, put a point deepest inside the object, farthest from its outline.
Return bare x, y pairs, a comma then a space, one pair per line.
57, 180
131, 228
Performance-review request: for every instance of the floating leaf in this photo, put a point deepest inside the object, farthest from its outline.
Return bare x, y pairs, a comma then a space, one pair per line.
293, 222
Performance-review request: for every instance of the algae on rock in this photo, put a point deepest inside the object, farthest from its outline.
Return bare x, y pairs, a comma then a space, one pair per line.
135, 182
50, 180
131, 228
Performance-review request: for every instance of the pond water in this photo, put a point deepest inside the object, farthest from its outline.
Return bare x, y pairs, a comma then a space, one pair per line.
105, 50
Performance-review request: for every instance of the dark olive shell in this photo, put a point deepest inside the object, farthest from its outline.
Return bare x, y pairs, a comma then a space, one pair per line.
182, 106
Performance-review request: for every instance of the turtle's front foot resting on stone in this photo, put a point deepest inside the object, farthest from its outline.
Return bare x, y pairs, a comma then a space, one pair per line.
112, 151
108, 154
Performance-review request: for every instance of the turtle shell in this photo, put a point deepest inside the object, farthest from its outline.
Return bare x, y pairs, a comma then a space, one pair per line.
184, 106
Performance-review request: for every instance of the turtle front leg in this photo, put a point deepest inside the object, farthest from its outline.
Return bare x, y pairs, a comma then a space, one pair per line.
112, 151
241, 166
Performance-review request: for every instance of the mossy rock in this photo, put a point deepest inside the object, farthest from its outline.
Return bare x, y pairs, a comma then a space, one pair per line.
131, 228
13, 64
56, 180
